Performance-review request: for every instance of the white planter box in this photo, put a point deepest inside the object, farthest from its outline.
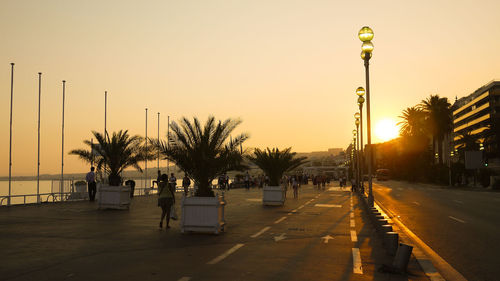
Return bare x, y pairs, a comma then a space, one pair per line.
273, 195
113, 197
203, 214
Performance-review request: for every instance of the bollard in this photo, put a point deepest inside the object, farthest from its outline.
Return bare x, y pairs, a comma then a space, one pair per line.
379, 224
386, 228
402, 257
391, 241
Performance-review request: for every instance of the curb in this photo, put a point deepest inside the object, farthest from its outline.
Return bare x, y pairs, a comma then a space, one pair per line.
425, 256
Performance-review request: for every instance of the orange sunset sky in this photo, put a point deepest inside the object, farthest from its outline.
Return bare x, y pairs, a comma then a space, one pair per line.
288, 69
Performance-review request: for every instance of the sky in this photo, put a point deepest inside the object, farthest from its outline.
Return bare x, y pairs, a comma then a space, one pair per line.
287, 69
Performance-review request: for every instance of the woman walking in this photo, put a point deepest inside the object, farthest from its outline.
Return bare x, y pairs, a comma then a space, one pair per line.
166, 199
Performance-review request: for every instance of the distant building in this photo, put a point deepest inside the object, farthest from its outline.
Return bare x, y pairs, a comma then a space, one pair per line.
478, 114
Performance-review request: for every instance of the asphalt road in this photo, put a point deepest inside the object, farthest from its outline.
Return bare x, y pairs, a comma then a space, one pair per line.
315, 237
462, 226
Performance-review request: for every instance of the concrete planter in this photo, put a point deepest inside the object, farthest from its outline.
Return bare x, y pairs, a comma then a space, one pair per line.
273, 195
113, 197
203, 214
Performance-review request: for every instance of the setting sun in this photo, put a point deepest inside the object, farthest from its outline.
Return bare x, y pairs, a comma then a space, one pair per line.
386, 129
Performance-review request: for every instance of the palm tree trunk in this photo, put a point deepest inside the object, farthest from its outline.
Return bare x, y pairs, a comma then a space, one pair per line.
440, 149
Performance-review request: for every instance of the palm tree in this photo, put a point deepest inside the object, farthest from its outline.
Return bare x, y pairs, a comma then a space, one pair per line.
115, 154
204, 153
413, 123
275, 163
439, 117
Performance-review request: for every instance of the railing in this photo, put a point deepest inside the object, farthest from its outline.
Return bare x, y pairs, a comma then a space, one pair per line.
70, 196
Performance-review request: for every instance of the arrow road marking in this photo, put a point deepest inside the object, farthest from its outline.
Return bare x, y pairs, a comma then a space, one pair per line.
326, 238
279, 238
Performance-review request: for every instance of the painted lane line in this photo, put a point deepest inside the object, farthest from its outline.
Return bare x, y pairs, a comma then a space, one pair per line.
184, 278
354, 237
328, 205
458, 201
353, 225
261, 231
356, 261
280, 220
300, 207
226, 254
290, 214
416, 203
254, 200
352, 216
459, 220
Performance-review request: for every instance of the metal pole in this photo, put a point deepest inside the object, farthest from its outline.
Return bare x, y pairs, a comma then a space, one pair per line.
146, 153
10, 141
38, 161
91, 152
368, 128
105, 112
158, 152
168, 143
362, 155
62, 141
357, 159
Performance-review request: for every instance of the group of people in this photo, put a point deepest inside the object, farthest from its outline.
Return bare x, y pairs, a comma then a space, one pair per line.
293, 182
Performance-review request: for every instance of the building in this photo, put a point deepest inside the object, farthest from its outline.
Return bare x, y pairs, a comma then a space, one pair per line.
478, 115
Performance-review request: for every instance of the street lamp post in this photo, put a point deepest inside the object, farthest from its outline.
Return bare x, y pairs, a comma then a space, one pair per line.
361, 92
356, 141
366, 35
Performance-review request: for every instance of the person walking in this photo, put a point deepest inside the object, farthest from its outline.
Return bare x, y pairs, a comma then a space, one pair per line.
166, 199
186, 182
295, 186
91, 184
172, 181
247, 181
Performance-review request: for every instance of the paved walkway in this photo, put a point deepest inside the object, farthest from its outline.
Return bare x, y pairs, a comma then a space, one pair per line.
323, 235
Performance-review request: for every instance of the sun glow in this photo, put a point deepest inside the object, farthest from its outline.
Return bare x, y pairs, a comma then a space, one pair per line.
386, 129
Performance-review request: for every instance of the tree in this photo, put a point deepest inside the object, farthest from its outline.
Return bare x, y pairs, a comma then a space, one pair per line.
413, 123
275, 163
115, 154
204, 153
439, 120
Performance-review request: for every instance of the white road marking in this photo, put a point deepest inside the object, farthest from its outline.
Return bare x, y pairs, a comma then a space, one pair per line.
280, 220
328, 205
458, 201
459, 220
261, 231
352, 216
400, 188
184, 279
416, 203
356, 261
326, 238
279, 238
254, 200
300, 207
226, 254
354, 237
290, 214
353, 224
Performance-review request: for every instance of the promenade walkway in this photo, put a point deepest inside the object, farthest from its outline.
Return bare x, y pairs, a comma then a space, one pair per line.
316, 237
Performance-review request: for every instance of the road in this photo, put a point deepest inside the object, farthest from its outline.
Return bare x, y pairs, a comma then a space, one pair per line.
323, 235
462, 226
